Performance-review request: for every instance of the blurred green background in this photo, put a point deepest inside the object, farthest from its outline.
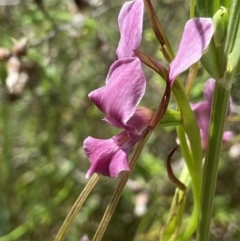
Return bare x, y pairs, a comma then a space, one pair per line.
45, 117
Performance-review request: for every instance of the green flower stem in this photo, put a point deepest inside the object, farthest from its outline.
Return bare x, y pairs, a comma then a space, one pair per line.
218, 117
189, 124
76, 207
196, 178
192, 155
192, 8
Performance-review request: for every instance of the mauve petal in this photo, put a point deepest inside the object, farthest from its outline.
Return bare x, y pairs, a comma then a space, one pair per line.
108, 157
130, 22
195, 40
202, 112
125, 88
138, 122
209, 90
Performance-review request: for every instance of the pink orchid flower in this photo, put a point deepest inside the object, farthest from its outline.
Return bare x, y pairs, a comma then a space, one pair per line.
202, 112
119, 98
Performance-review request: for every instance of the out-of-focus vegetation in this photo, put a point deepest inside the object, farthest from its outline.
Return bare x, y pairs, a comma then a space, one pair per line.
46, 115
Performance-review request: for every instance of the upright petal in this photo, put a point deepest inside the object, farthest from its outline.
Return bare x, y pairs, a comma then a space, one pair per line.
123, 91
108, 157
130, 25
195, 40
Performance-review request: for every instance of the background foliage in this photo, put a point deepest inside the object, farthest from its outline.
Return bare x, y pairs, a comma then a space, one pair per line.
42, 126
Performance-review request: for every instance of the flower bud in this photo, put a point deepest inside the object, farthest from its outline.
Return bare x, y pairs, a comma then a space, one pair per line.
220, 21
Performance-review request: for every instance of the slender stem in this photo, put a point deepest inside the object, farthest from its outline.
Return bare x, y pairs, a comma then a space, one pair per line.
192, 154
218, 117
195, 169
196, 178
192, 8
76, 207
189, 123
